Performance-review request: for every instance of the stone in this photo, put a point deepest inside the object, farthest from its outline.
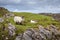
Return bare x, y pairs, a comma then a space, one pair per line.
54, 30
11, 29
9, 15
1, 20
40, 34
45, 32
28, 34
19, 37
48, 34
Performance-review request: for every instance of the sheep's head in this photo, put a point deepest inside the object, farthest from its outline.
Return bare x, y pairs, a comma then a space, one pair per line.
22, 16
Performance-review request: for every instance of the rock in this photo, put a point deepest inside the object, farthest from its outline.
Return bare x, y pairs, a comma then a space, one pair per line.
11, 29
1, 20
28, 34
40, 34
54, 30
6, 38
48, 34
26, 37
19, 37
36, 36
9, 15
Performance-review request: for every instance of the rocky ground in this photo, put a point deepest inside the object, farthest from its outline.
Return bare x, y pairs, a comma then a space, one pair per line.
49, 33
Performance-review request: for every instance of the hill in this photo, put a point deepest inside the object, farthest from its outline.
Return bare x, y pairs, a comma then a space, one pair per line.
42, 20
54, 15
3, 11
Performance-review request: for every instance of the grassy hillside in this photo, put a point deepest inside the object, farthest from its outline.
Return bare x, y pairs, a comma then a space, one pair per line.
3, 11
54, 15
42, 20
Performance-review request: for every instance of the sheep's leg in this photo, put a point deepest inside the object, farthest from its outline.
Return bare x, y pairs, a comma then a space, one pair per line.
21, 23
17, 22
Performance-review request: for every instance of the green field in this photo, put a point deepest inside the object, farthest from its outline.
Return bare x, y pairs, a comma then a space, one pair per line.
42, 20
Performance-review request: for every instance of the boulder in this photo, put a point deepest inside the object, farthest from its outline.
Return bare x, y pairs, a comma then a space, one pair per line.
28, 34
40, 34
1, 20
11, 29
8, 15
19, 37
54, 30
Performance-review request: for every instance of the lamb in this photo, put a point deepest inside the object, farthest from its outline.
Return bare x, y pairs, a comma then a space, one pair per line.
18, 19
33, 21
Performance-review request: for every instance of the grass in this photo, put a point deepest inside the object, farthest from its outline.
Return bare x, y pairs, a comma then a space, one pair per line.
42, 20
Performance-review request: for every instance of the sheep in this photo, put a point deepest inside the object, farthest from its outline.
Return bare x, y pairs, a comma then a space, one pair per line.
19, 20
33, 21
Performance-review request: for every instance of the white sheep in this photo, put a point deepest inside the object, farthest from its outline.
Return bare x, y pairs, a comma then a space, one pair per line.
18, 19
33, 21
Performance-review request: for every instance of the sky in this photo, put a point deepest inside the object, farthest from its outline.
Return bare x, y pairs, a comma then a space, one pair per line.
35, 6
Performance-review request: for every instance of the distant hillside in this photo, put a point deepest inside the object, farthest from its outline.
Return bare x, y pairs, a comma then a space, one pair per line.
55, 16
3, 11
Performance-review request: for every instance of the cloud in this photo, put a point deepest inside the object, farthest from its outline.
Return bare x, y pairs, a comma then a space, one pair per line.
33, 11
15, 1
31, 5
48, 9
9, 2
16, 10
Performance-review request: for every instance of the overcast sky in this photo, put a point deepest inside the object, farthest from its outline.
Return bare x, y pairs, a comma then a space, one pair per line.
31, 5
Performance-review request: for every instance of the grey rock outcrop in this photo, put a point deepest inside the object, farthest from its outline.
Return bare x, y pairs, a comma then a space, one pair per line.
11, 29
8, 15
19, 37
41, 34
1, 20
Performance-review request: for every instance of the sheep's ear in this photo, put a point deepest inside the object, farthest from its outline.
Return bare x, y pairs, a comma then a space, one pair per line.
15, 15
22, 16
